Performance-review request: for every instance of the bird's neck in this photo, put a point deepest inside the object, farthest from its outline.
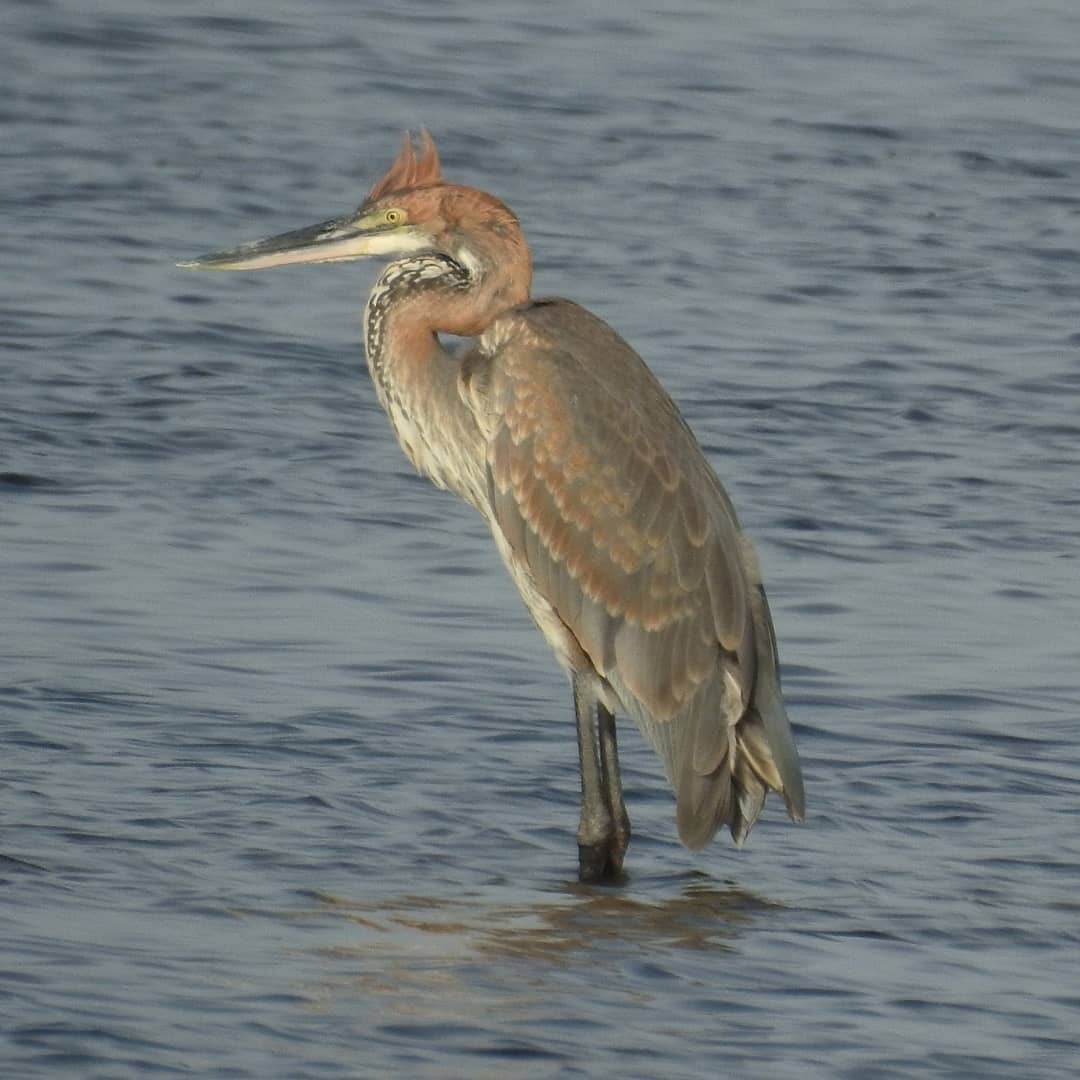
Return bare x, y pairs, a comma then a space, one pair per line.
404, 315
414, 376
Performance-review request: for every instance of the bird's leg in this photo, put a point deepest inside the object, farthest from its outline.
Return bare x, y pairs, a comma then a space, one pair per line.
596, 830
613, 795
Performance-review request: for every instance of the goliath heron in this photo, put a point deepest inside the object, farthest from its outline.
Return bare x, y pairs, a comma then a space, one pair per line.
615, 529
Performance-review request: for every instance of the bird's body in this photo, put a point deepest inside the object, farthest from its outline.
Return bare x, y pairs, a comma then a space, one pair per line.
614, 527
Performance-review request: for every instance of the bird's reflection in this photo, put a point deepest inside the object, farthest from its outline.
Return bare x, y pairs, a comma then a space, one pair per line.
700, 915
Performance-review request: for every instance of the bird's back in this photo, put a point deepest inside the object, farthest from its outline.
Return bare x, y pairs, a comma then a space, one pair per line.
629, 554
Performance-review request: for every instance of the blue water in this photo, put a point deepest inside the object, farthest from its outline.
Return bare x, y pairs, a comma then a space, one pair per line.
288, 780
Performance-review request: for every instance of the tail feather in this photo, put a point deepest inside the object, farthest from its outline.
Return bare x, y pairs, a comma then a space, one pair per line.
781, 746
749, 799
733, 792
704, 804
753, 751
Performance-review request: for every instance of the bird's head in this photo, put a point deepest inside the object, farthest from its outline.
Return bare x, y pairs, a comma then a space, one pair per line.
409, 211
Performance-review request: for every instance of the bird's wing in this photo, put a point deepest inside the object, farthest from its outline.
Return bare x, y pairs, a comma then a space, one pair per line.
602, 493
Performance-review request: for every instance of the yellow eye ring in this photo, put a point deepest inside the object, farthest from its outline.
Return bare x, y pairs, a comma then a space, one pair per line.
393, 217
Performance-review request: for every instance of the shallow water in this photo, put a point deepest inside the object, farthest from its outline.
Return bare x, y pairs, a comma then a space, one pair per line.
289, 781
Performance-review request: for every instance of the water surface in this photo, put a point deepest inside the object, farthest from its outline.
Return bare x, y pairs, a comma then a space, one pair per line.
289, 781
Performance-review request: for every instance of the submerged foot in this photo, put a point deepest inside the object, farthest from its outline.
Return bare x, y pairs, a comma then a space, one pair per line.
600, 864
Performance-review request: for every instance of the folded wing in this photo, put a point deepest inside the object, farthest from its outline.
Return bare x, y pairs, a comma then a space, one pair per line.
607, 506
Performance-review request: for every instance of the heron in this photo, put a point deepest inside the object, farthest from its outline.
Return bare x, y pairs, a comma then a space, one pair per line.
618, 533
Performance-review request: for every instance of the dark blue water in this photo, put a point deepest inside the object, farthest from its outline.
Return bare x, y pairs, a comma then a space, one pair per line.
288, 781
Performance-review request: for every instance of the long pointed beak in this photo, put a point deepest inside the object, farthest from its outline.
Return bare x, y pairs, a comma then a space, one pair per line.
337, 240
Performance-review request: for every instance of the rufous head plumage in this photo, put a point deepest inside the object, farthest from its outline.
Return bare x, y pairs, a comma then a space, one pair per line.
410, 170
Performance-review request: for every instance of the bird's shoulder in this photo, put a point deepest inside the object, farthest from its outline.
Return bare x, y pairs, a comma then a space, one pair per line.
554, 363
555, 337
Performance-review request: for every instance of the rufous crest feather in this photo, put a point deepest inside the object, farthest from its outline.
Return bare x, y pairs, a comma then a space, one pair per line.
410, 169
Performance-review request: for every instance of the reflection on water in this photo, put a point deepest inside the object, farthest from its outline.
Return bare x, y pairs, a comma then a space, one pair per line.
700, 917
461, 973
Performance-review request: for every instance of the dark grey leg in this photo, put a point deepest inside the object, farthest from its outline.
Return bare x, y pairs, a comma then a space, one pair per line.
602, 837
609, 770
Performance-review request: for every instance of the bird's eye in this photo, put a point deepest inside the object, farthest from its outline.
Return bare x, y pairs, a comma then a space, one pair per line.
393, 217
